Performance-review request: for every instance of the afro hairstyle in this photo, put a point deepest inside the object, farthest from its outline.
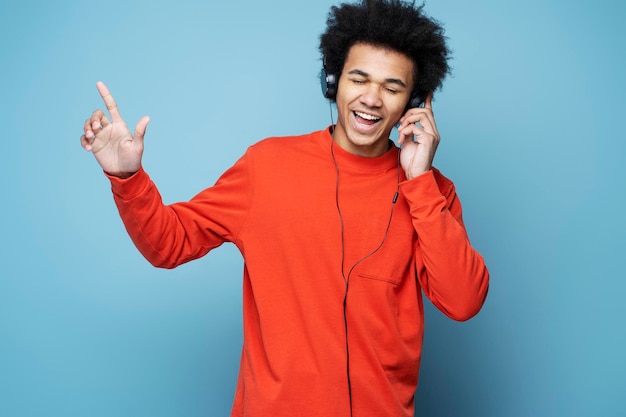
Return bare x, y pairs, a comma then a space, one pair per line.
393, 24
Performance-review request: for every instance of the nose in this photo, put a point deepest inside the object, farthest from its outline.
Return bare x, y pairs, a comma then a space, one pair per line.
371, 96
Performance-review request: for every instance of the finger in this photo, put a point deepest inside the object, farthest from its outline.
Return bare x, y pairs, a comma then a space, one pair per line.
428, 103
105, 122
413, 117
410, 130
423, 117
109, 102
99, 121
140, 129
409, 133
95, 123
401, 138
415, 133
86, 143
87, 129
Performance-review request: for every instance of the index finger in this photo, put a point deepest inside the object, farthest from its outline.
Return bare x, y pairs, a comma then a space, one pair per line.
109, 102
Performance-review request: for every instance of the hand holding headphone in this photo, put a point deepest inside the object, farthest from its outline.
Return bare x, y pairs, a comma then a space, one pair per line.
419, 138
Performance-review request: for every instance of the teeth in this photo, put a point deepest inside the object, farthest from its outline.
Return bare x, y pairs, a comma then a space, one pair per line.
366, 116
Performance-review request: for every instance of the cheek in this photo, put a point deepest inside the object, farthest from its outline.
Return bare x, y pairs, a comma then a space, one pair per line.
397, 108
345, 96
343, 102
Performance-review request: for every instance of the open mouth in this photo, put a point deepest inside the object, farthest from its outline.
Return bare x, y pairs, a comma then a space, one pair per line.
366, 119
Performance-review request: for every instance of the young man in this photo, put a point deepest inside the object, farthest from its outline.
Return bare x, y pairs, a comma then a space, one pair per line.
341, 232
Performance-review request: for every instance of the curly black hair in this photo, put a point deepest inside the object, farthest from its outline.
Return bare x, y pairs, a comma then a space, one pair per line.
394, 24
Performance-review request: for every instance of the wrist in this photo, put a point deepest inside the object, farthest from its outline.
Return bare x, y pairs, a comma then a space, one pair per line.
410, 174
120, 175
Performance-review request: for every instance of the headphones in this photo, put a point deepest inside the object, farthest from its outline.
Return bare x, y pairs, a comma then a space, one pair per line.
330, 81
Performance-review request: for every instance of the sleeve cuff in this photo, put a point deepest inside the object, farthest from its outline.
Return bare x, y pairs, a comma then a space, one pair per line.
423, 195
129, 188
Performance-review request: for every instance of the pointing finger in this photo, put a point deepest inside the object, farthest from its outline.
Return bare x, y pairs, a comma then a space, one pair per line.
109, 102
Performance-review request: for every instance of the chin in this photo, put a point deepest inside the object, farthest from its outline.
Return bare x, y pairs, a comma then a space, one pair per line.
370, 138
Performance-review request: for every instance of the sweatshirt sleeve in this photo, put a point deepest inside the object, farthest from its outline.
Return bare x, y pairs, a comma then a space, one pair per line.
451, 272
170, 235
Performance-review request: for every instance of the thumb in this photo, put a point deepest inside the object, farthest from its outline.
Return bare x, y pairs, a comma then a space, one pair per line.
140, 128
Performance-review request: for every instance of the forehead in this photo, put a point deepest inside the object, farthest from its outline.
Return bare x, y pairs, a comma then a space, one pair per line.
380, 62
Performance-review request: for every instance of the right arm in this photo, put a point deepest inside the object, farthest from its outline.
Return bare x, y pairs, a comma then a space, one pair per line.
167, 235
170, 235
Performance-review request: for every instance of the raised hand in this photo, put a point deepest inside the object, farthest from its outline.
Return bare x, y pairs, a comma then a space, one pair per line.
116, 150
419, 142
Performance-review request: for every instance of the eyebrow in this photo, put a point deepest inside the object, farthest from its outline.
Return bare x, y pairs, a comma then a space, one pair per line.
387, 80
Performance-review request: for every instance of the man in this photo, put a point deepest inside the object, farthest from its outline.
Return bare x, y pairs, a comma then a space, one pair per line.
340, 231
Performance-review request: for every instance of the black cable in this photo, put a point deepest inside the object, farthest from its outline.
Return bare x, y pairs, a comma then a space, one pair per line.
346, 279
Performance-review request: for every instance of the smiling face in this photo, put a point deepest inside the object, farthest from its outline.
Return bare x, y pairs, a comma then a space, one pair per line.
374, 89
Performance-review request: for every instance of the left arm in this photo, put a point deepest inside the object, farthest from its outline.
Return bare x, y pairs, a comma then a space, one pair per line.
451, 272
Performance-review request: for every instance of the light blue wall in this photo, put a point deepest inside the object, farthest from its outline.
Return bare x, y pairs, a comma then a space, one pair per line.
532, 125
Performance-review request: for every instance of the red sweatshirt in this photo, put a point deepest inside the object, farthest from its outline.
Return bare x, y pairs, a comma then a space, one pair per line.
284, 204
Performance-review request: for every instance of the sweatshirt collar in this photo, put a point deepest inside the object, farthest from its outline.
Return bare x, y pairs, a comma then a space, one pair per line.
347, 160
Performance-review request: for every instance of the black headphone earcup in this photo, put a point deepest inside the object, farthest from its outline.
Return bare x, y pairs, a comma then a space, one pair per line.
415, 102
328, 83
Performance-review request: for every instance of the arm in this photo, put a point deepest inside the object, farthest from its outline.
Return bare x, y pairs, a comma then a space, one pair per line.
451, 272
170, 235
166, 235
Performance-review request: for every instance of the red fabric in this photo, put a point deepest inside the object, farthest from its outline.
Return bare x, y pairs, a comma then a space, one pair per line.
278, 205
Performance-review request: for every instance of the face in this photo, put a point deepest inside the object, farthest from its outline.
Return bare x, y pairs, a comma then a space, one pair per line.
374, 89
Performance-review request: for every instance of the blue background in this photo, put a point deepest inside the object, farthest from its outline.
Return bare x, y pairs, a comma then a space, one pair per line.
532, 126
